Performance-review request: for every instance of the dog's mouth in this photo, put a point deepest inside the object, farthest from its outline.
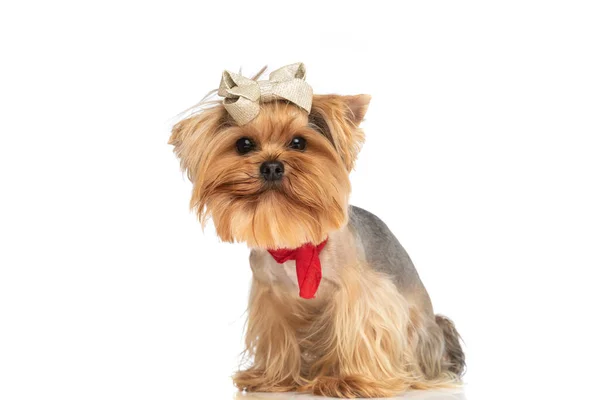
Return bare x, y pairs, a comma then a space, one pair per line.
281, 189
272, 186
254, 189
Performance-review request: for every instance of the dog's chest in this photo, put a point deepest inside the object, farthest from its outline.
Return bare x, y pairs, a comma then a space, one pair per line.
267, 270
289, 269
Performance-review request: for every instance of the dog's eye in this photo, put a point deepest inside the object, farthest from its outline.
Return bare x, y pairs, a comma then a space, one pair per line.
298, 143
244, 145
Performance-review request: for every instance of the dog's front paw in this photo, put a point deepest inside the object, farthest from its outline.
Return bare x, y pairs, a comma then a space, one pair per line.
254, 380
348, 387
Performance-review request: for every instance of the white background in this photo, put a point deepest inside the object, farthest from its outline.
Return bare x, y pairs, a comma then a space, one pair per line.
482, 156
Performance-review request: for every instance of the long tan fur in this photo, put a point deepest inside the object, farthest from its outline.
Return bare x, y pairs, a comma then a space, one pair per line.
363, 340
360, 338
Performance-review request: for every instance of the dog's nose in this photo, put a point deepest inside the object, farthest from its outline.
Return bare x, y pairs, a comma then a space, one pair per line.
271, 171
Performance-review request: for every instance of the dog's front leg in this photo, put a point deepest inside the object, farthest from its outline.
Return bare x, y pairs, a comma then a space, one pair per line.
271, 344
362, 340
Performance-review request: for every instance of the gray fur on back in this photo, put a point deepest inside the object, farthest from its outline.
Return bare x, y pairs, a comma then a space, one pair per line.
385, 254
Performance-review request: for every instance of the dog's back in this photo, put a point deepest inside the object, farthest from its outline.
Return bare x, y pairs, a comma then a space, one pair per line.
384, 253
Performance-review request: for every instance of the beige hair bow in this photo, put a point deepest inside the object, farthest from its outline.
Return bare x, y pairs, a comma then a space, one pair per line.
242, 96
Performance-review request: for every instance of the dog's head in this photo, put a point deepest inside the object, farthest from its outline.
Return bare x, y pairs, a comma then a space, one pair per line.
280, 180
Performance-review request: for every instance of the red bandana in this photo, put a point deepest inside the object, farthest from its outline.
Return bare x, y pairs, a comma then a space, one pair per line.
308, 266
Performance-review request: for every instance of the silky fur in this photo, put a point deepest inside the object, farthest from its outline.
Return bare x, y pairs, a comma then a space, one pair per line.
360, 337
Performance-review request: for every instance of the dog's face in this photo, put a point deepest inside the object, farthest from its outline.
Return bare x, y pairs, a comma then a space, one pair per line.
280, 180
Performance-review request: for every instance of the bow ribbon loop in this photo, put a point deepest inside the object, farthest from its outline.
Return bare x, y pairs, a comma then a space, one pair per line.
242, 96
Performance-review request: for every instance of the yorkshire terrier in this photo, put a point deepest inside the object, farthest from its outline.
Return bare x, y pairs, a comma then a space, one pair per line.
336, 306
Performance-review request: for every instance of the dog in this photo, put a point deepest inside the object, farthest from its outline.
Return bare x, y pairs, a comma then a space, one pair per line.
336, 306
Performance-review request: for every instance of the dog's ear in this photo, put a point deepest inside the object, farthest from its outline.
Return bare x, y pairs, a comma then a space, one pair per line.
191, 136
338, 119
